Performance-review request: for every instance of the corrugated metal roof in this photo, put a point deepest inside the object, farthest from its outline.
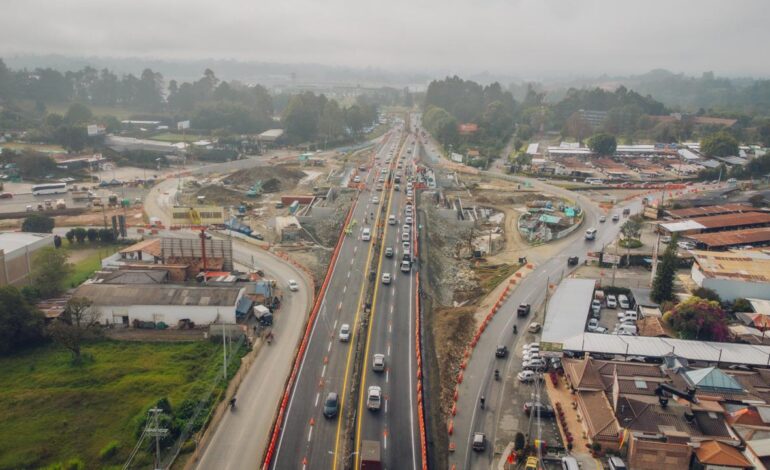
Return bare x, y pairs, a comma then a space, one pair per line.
742, 264
11, 241
733, 220
682, 226
709, 210
568, 309
729, 353
125, 295
733, 238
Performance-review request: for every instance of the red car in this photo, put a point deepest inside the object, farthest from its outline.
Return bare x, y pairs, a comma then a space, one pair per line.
6, 196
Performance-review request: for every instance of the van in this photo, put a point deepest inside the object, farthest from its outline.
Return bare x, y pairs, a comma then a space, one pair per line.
627, 330
628, 315
591, 234
569, 463
392, 220
366, 235
623, 302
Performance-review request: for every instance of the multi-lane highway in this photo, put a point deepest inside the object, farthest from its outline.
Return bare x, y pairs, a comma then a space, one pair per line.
391, 332
308, 438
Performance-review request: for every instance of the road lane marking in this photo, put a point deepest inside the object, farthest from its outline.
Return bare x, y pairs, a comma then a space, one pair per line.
385, 439
355, 249
317, 397
310, 434
388, 350
339, 306
386, 406
348, 274
323, 371
345, 289
387, 376
329, 347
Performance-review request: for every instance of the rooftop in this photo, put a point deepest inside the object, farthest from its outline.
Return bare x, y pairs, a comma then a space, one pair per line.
151, 246
12, 241
733, 238
568, 309
737, 265
733, 220
682, 226
129, 295
709, 210
718, 453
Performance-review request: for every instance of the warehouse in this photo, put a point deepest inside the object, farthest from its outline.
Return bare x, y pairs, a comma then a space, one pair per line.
567, 312
162, 303
733, 239
17, 251
705, 211
717, 223
732, 275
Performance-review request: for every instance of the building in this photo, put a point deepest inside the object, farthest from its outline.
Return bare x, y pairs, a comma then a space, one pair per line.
122, 304
715, 455
567, 312
733, 239
717, 223
121, 144
270, 136
17, 251
732, 275
705, 211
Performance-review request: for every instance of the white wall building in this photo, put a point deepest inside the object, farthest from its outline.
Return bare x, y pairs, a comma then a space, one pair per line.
122, 304
733, 274
16, 254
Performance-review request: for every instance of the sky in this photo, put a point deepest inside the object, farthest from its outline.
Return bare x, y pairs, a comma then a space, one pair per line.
525, 38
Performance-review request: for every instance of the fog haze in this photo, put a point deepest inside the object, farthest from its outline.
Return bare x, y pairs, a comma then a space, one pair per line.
522, 38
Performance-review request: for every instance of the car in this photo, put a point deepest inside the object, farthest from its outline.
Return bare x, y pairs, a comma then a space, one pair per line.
392, 220
374, 397
6, 196
526, 376
379, 187
479, 442
409, 192
616, 463
357, 179
536, 363
601, 329
406, 228
293, 286
362, 168
375, 200
386, 278
603, 219
612, 301
501, 351
378, 362
615, 217
406, 246
366, 234
686, 245
408, 220
396, 187
665, 239
530, 347
523, 310
405, 236
592, 324
529, 355
381, 180
546, 411
406, 266
345, 333
389, 252
331, 405
573, 260
596, 307
534, 327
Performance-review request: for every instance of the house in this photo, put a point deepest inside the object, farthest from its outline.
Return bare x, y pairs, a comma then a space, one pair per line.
17, 250
715, 455
123, 304
732, 275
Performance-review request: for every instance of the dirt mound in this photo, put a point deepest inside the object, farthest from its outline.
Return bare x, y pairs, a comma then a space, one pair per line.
274, 178
453, 329
216, 195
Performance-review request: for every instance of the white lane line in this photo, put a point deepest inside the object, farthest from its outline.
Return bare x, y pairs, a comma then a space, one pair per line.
310, 434
329, 347
386, 410
385, 436
335, 325
339, 306
348, 274
391, 308
355, 249
351, 261
345, 289
323, 371
317, 397
387, 377
388, 350
390, 328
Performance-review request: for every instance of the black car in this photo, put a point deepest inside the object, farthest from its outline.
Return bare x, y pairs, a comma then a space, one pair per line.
546, 411
573, 260
501, 351
523, 310
331, 405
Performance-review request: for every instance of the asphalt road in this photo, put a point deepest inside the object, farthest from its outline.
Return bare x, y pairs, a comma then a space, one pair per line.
478, 380
308, 439
392, 333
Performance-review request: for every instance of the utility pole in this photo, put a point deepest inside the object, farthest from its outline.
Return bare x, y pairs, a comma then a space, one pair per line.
224, 351
615, 263
547, 284
157, 432
655, 251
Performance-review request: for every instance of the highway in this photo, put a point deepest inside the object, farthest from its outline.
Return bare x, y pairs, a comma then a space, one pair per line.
392, 333
308, 439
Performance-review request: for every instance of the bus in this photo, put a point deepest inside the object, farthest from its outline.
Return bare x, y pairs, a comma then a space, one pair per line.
49, 188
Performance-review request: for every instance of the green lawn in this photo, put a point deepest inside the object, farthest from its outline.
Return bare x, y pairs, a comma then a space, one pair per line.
53, 410
172, 137
85, 267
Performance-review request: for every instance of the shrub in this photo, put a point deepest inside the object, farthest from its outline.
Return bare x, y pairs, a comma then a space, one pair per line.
109, 450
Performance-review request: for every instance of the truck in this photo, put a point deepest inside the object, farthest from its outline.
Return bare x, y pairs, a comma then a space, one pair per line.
370, 455
61, 204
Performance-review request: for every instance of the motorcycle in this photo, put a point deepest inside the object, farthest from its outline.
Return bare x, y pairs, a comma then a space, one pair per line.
515, 330
232, 404
497, 374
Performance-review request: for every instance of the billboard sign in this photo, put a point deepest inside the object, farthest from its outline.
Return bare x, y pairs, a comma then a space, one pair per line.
93, 130
183, 125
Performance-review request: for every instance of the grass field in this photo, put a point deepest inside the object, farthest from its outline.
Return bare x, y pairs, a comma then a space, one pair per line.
86, 265
53, 410
172, 137
61, 108
42, 148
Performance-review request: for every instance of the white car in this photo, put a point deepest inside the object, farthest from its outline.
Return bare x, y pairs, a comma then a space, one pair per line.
386, 278
526, 376
612, 302
406, 246
530, 347
602, 219
357, 179
593, 324
405, 236
374, 398
528, 356
378, 363
293, 286
345, 333
686, 245
596, 306
408, 220
406, 228
375, 200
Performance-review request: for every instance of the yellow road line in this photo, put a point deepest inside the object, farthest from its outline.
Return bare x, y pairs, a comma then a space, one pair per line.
353, 339
371, 315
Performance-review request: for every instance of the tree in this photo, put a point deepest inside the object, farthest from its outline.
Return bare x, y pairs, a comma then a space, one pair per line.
663, 283
719, 144
78, 113
70, 235
603, 144
698, 319
78, 322
21, 324
49, 269
742, 305
632, 228
37, 223
92, 234
706, 293
81, 234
